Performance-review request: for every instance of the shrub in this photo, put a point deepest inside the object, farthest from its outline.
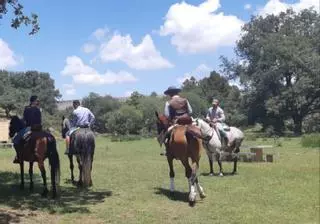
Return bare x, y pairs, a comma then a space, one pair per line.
311, 140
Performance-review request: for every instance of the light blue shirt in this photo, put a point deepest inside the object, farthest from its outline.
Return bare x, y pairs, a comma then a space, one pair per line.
167, 110
217, 113
82, 117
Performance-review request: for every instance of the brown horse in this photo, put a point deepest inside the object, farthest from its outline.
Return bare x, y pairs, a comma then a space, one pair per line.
42, 145
182, 146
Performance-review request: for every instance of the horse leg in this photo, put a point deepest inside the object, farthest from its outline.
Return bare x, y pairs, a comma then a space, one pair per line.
190, 175
90, 184
199, 187
210, 157
44, 177
80, 170
21, 174
218, 157
71, 167
31, 175
171, 172
235, 161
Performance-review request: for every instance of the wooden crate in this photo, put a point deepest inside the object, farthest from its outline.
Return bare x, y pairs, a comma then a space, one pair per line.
4, 131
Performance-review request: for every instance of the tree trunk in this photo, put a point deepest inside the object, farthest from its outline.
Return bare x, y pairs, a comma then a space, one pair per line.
297, 125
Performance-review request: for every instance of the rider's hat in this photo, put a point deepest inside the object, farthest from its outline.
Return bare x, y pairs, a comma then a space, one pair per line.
33, 98
172, 90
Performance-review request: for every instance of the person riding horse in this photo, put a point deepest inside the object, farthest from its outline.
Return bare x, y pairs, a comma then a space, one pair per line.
178, 111
32, 120
216, 117
82, 117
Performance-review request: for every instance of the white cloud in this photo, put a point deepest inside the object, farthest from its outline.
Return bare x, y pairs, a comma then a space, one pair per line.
100, 33
201, 71
277, 6
88, 48
195, 29
247, 6
143, 56
7, 56
84, 74
128, 93
69, 89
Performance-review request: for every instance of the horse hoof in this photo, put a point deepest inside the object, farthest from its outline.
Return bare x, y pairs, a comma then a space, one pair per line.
192, 203
211, 174
234, 173
220, 174
202, 195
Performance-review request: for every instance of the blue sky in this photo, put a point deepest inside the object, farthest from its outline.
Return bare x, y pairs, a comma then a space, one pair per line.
116, 47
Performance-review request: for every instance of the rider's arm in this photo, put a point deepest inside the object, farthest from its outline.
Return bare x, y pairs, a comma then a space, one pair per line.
91, 118
221, 118
166, 110
189, 108
208, 114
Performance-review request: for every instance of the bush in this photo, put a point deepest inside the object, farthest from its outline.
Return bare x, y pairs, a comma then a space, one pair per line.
311, 140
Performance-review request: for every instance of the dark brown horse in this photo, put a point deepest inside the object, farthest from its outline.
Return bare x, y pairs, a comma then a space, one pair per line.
42, 145
182, 146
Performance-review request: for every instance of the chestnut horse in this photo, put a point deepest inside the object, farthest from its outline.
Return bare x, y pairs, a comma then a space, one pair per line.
42, 145
182, 146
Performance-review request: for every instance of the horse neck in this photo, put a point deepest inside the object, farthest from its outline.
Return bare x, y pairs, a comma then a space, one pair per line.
205, 128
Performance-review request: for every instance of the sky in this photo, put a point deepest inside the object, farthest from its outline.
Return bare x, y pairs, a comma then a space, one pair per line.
117, 47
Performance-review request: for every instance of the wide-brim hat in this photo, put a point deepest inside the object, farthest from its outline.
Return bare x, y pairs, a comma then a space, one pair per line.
172, 90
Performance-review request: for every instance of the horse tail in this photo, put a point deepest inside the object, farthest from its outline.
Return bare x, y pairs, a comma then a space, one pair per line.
85, 137
54, 162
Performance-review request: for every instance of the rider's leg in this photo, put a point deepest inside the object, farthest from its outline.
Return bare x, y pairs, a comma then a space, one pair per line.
16, 142
223, 134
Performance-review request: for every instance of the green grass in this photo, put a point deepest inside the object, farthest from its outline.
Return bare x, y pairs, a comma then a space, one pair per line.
311, 140
131, 186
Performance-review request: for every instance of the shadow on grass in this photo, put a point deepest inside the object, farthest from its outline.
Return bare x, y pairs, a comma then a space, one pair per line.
217, 174
175, 196
71, 199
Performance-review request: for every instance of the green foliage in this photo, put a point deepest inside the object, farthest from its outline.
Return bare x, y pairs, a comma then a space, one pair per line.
17, 87
279, 69
19, 16
311, 140
127, 119
100, 106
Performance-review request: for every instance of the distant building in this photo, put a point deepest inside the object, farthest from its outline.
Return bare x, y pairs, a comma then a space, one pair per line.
64, 104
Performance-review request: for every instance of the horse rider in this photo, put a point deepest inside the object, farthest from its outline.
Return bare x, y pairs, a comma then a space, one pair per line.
32, 120
217, 118
178, 111
82, 117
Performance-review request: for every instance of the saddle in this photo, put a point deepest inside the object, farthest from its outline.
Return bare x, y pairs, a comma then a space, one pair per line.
191, 129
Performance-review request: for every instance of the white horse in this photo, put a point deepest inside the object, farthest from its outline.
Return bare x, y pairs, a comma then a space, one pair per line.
213, 146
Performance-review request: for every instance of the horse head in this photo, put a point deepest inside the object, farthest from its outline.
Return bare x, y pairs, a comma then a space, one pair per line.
15, 125
162, 122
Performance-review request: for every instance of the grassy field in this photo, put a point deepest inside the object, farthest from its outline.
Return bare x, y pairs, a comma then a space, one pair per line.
131, 186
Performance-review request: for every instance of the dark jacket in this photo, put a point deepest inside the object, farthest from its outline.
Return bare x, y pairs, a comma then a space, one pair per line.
32, 116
